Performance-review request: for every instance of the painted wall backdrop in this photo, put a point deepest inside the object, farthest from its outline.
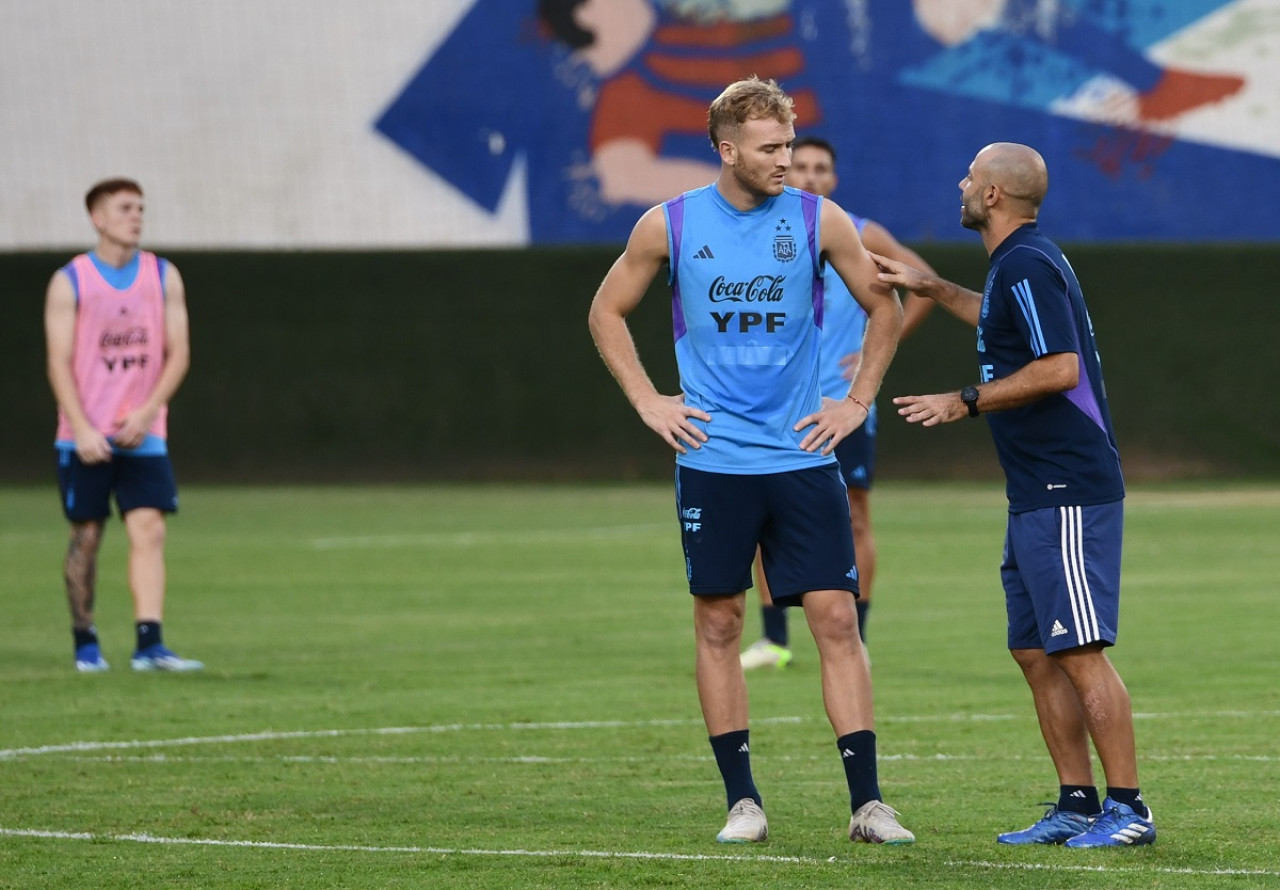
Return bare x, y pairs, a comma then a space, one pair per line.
322, 124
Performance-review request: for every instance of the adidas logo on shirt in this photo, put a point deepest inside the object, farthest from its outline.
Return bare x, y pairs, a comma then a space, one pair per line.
1058, 630
705, 253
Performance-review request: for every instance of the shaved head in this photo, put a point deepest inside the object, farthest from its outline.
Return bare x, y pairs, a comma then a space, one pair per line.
1017, 170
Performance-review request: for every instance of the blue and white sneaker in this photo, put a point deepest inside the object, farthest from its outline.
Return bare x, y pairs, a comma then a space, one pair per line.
159, 658
1118, 826
89, 659
1055, 827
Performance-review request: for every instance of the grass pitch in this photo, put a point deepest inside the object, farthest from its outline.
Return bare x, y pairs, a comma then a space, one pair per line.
492, 687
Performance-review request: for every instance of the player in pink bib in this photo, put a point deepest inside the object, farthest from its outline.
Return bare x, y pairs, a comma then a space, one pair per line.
118, 348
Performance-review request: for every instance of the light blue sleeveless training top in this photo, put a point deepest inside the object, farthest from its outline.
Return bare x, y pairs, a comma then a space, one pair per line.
747, 311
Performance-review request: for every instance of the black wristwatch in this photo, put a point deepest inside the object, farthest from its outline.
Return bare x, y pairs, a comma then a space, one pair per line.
969, 395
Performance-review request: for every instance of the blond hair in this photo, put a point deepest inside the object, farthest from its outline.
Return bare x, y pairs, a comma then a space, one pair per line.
746, 100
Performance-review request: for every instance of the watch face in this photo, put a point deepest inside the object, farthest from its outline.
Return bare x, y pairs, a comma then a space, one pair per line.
969, 395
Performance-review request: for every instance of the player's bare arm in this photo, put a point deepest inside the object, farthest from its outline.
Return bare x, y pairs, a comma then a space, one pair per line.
136, 424
961, 302
92, 446
620, 293
843, 249
1050, 374
879, 240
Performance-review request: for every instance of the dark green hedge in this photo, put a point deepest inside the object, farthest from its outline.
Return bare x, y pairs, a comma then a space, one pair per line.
478, 364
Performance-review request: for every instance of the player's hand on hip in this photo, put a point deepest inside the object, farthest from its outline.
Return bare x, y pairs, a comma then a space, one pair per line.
831, 423
672, 419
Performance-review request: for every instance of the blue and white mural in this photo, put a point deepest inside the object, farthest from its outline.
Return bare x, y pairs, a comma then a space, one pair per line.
1154, 115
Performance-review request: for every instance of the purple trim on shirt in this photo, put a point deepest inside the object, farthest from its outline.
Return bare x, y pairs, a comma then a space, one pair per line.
811, 204
819, 301
1082, 396
675, 235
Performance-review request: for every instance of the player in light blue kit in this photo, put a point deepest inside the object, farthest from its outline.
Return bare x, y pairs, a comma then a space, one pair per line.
752, 433
813, 168
1041, 389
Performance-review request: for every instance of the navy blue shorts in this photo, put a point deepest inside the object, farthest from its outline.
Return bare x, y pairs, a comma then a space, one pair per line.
857, 454
799, 519
1061, 574
135, 480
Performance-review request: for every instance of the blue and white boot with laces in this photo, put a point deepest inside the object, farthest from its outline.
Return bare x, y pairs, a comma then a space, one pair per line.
1118, 826
1055, 827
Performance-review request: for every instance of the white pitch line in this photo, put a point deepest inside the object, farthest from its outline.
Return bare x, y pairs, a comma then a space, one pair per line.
537, 760
11, 753
143, 838
532, 760
1164, 870
71, 747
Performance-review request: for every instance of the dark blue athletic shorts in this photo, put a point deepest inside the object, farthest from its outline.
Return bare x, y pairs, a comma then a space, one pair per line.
800, 520
1061, 574
135, 480
857, 454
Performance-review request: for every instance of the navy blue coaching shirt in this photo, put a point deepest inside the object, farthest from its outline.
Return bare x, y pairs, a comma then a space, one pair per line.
1061, 450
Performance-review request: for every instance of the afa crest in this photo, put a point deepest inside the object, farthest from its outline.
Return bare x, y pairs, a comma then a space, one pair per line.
784, 248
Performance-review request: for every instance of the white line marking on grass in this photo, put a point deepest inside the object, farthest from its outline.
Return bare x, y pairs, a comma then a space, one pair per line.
1212, 715
538, 760
11, 753
532, 760
143, 838
70, 747
1164, 870
475, 539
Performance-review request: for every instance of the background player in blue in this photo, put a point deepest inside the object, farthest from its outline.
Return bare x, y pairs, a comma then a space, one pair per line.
1041, 385
813, 168
753, 435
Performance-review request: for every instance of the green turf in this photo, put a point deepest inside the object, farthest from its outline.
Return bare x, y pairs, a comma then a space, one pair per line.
491, 687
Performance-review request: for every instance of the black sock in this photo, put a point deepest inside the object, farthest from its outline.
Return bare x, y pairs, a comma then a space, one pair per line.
858, 754
148, 634
86, 636
863, 607
775, 624
733, 756
1082, 799
1130, 797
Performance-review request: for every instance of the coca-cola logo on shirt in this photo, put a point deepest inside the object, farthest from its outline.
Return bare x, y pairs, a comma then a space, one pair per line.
135, 336
761, 289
